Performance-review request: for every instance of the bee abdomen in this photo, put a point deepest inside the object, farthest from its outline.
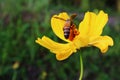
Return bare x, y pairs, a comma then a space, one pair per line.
66, 32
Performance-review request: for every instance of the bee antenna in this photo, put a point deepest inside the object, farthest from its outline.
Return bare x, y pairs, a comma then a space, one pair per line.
60, 18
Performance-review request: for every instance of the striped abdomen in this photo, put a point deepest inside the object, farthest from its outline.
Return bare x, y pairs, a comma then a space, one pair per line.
66, 32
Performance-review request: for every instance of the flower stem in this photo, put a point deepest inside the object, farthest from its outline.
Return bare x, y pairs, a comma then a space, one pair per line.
81, 68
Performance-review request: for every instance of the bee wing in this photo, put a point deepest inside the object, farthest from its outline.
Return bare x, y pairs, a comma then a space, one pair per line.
73, 16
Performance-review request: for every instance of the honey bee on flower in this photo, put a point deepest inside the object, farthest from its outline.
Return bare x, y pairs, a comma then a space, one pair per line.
88, 34
70, 30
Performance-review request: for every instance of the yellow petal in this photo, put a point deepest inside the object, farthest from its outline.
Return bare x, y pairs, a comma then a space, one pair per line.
92, 24
102, 43
80, 42
58, 24
62, 51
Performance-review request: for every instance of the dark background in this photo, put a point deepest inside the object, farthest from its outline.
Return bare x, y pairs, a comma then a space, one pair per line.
22, 21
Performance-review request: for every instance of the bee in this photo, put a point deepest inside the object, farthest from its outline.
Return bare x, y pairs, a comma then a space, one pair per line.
69, 29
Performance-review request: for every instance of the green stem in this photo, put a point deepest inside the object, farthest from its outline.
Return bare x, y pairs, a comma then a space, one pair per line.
81, 68
14, 77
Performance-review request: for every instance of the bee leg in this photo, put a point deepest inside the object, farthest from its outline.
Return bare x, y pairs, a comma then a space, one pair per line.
76, 32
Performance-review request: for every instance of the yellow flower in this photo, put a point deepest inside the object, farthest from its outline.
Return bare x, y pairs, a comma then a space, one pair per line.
16, 65
90, 35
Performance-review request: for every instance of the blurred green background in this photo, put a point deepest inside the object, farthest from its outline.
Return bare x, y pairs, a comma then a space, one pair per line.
22, 21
